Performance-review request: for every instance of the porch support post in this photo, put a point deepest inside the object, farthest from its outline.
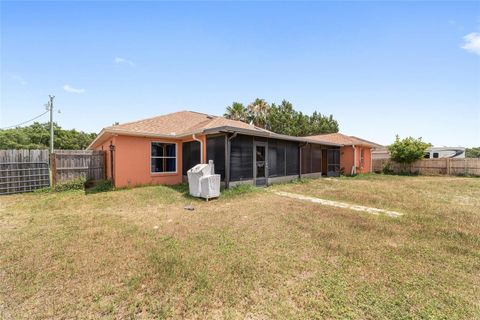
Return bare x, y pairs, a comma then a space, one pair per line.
300, 159
228, 148
227, 161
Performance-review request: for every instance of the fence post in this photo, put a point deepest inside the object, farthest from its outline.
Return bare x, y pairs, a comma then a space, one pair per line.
448, 166
53, 169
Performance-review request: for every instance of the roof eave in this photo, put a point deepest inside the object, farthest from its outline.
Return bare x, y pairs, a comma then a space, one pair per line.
97, 138
266, 134
137, 134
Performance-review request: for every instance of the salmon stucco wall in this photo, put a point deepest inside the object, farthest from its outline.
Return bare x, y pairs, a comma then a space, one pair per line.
364, 166
347, 158
132, 163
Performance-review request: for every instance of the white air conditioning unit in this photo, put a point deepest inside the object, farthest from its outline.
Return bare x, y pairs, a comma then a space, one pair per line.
203, 182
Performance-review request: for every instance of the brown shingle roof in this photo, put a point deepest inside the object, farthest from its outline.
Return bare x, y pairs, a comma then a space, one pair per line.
340, 139
185, 123
179, 124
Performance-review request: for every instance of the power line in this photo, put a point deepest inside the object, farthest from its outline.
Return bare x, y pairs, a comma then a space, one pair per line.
25, 121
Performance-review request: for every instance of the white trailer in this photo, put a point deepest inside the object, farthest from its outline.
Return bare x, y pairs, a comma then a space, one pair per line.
445, 152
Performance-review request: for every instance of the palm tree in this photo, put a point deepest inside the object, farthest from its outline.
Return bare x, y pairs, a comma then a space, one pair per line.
236, 112
258, 112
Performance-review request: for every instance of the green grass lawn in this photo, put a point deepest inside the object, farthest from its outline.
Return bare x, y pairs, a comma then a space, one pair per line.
250, 254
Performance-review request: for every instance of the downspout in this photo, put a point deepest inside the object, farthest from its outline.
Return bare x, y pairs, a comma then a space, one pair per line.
201, 147
354, 167
227, 162
112, 163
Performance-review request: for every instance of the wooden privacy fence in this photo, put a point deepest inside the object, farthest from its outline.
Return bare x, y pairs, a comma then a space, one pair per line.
442, 166
74, 164
23, 170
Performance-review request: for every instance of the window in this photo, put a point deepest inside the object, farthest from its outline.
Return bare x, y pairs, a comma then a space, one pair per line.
427, 155
435, 154
163, 157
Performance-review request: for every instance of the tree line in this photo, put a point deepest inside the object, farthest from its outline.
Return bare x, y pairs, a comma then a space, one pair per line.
37, 136
472, 152
282, 118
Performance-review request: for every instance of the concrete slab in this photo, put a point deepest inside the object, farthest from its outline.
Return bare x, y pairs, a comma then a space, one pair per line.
337, 204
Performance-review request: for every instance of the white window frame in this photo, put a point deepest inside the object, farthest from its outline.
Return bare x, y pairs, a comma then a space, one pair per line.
164, 157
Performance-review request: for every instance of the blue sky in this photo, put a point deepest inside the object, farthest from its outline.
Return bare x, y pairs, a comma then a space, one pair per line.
381, 68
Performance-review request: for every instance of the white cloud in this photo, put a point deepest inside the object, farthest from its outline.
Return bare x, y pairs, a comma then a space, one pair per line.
119, 60
71, 89
19, 79
472, 43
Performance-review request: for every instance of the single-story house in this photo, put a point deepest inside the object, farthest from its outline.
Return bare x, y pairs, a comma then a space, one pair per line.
380, 153
160, 150
355, 153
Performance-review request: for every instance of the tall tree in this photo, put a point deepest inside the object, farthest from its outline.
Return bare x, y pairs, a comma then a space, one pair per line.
472, 152
319, 124
258, 112
284, 119
236, 111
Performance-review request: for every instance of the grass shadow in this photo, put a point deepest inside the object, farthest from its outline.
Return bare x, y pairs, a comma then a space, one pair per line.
97, 186
183, 190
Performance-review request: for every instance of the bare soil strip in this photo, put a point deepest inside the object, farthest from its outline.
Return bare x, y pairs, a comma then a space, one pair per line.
375, 211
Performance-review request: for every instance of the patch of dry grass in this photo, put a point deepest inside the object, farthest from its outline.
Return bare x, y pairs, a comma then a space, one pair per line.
138, 254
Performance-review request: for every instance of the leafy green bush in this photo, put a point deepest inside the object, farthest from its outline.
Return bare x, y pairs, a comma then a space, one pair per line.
75, 184
43, 190
407, 150
472, 152
387, 168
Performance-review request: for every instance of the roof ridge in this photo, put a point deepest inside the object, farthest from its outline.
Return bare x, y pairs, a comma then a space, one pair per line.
202, 113
239, 121
154, 117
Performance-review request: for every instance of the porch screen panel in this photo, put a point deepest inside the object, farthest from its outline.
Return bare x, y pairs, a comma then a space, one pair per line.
190, 155
276, 158
316, 158
216, 152
333, 162
306, 159
291, 158
241, 158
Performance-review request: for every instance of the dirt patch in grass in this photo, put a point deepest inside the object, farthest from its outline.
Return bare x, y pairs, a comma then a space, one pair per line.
248, 255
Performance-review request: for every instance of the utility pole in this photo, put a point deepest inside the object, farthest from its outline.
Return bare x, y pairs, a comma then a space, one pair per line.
50, 108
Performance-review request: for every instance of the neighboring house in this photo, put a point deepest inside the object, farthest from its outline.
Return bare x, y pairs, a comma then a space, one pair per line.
380, 153
355, 153
161, 149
